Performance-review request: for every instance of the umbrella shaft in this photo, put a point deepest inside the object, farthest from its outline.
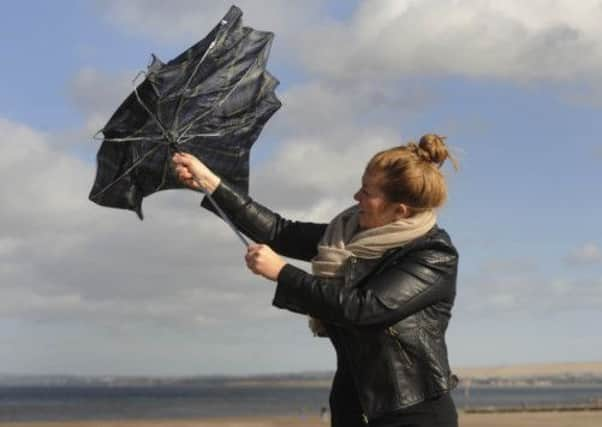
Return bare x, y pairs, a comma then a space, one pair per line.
225, 218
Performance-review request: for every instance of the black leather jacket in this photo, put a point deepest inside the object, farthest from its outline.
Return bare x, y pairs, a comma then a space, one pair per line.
390, 324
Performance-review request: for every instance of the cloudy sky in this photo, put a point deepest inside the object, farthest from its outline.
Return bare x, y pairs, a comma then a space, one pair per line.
514, 85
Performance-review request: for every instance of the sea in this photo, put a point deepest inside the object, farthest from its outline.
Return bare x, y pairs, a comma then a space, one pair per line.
69, 403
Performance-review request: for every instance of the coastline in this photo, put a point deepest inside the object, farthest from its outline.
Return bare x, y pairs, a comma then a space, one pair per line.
547, 419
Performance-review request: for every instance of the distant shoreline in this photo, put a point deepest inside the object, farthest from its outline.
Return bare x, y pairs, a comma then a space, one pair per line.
548, 374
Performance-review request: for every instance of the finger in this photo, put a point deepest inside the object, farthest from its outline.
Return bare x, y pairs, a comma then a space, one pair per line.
257, 247
178, 157
251, 265
184, 162
189, 158
253, 247
183, 170
251, 257
185, 158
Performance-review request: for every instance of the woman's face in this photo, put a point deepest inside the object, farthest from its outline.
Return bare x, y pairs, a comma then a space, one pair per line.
374, 209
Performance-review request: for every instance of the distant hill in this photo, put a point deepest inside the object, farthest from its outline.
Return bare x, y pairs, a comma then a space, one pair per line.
536, 370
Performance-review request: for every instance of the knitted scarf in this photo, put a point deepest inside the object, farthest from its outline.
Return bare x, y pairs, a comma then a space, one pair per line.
342, 239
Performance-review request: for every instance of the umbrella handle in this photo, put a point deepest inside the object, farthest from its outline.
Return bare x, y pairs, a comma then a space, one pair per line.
225, 218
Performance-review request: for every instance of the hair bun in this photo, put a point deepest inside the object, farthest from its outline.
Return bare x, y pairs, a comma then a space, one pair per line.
432, 148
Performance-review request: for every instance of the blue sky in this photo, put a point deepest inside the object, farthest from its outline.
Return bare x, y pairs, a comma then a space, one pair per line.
514, 86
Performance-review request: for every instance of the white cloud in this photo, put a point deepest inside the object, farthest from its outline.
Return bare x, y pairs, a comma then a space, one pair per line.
385, 41
589, 253
319, 108
191, 20
513, 39
64, 258
98, 94
503, 287
35, 181
308, 171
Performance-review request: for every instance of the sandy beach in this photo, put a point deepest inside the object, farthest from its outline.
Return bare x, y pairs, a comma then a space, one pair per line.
545, 419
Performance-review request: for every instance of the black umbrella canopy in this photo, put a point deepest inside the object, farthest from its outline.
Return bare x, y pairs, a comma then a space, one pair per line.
212, 101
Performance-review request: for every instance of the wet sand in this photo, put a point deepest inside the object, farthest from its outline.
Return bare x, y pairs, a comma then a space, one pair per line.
541, 419
538, 419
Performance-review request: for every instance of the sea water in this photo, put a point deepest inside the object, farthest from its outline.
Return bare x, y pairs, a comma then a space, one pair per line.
61, 403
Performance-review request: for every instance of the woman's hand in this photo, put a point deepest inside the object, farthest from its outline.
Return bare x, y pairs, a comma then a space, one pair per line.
262, 260
192, 172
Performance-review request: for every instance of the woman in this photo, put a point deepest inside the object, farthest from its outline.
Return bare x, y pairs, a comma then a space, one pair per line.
383, 283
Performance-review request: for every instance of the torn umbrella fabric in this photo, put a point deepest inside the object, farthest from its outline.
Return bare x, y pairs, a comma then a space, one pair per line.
211, 101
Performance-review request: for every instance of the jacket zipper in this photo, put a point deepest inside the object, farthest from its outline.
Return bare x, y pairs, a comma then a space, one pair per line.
395, 335
352, 277
356, 382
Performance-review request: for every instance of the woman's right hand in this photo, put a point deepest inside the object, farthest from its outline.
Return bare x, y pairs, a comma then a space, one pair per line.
192, 172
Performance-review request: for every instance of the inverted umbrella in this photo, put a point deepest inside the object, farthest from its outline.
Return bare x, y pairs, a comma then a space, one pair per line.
211, 101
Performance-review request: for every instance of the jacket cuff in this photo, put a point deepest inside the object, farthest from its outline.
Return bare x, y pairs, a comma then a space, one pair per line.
229, 199
289, 279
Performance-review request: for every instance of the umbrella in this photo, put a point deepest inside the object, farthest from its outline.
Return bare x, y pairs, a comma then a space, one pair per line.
211, 101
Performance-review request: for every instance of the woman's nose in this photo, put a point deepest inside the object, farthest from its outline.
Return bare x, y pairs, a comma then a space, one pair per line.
356, 196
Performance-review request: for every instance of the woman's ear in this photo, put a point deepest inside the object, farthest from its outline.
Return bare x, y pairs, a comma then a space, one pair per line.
403, 211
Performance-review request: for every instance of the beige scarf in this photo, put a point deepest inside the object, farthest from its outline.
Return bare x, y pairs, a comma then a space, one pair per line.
342, 239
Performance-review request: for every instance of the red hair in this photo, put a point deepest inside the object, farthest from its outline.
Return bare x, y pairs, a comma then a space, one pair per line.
410, 173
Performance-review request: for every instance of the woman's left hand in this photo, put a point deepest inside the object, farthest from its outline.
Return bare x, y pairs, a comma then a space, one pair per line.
262, 260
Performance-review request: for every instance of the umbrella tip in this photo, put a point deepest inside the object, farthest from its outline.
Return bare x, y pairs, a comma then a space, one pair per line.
139, 213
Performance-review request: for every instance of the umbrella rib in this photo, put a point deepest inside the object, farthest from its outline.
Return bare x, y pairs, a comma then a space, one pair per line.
196, 68
166, 165
151, 139
128, 170
218, 103
198, 135
189, 126
158, 139
148, 153
150, 113
206, 134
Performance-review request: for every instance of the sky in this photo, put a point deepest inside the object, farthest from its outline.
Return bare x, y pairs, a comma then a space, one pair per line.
514, 85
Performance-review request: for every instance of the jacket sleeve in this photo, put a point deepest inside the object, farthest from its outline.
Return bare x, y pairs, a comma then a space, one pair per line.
292, 239
387, 297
